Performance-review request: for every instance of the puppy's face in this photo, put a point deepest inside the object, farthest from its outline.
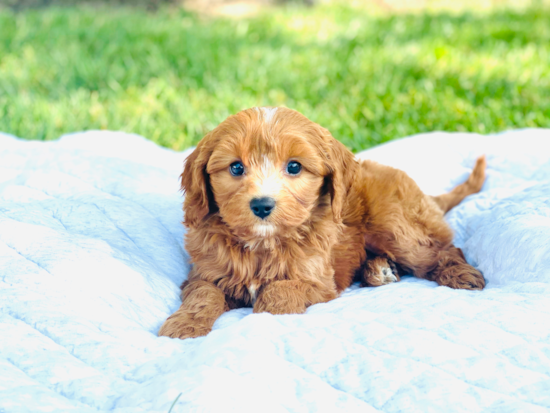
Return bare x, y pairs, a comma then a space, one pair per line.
265, 170
266, 173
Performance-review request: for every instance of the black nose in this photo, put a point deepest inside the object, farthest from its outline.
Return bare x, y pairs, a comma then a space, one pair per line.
262, 207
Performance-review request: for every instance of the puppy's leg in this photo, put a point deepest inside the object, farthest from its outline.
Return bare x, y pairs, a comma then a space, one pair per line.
291, 297
379, 271
202, 304
453, 271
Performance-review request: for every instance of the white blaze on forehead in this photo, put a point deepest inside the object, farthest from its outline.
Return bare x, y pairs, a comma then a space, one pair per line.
268, 181
266, 167
270, 186
268, 113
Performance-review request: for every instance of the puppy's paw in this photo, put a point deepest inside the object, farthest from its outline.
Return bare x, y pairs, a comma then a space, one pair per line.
461, 276
183, 325
282, 297
380, 271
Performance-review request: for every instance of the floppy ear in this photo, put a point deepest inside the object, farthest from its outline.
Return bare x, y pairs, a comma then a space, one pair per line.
195, 182
343, 167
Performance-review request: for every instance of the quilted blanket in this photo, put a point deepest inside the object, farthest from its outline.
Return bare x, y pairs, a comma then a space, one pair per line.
92, 255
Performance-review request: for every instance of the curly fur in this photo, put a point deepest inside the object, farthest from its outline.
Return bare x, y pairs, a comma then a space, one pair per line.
336, 221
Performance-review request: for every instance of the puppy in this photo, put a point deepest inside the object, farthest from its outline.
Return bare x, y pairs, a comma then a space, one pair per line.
281, 216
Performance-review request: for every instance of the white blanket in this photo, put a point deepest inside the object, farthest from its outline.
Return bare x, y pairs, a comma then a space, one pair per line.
92, 255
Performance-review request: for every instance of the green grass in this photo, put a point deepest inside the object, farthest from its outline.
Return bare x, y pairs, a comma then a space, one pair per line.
171, 76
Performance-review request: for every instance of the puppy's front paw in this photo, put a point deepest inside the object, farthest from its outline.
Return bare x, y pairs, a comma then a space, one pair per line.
282, 297
183, 325
380, 271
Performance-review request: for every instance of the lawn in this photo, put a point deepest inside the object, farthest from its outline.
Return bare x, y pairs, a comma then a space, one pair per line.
172, 76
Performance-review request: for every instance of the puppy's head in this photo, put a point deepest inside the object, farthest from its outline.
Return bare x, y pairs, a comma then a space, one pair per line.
264, 171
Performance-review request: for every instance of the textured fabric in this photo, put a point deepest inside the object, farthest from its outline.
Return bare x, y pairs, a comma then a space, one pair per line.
91, 257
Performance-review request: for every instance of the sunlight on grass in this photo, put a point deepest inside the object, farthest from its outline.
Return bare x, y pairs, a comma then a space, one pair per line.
171, 76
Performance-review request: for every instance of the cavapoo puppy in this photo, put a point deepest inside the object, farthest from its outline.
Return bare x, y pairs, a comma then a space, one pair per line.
281, 216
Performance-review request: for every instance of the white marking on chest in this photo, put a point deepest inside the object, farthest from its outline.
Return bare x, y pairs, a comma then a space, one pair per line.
252, 290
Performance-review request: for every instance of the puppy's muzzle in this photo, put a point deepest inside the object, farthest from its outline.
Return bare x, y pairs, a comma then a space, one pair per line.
262, 207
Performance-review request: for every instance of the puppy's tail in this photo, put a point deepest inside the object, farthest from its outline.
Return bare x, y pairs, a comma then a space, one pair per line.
471, 186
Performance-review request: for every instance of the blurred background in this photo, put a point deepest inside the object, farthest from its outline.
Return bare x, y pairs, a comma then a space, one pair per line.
368, 70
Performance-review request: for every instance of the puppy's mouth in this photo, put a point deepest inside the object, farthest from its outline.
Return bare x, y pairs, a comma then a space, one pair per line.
264, 229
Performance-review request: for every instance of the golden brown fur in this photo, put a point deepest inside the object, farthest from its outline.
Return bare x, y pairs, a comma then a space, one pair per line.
335, 221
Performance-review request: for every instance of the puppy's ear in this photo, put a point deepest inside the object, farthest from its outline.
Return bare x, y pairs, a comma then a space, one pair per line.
343, 167
195, 182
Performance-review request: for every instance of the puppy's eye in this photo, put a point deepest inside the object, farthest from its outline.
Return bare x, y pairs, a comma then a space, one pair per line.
236, 168
293, 168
